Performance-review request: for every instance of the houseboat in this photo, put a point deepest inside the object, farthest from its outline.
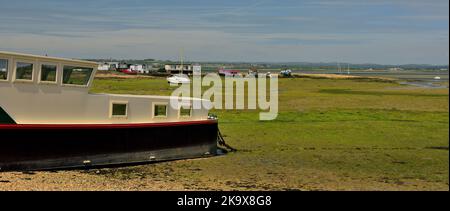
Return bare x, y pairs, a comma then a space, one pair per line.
49, 120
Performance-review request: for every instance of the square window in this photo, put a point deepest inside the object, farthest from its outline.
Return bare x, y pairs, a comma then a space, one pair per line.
185, 112
48, 73
119, 110
76, 75
3, 69
24, 71
160, 111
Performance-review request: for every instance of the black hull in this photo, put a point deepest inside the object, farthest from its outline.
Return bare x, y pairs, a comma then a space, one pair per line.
44, 147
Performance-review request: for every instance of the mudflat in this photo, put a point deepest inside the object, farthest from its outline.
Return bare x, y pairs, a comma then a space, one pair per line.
330, 134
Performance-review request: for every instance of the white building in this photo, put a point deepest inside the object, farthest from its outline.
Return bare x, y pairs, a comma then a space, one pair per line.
103, 66
140, 68
113, 65
177, 68
107, 66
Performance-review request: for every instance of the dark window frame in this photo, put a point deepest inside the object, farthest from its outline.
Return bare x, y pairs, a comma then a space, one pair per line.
16, 71
118, 103
67, 71
41, 72
7, 69
155, 105
185, 109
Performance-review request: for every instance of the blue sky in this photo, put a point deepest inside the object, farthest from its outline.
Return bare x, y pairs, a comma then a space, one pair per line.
356, 31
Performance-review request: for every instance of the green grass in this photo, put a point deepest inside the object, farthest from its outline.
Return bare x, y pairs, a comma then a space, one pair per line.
330, 134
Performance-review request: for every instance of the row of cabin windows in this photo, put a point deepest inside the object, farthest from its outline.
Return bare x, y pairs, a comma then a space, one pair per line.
48, 74
121, 110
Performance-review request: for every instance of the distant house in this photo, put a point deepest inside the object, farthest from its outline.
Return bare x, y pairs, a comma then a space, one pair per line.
123, 66
103, 66
107, 66
140, 68
113, 65
177, 68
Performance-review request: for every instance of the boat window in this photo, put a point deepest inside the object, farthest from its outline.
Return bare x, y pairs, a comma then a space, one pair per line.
3, 69
76, 75
160, 111
185, 111
24, 71
119, 110
48, 73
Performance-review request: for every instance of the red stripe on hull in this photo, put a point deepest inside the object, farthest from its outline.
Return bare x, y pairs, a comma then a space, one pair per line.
104, 126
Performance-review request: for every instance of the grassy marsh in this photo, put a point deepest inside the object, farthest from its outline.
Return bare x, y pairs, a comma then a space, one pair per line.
331, 134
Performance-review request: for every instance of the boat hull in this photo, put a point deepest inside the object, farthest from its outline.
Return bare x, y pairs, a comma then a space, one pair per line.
45, 147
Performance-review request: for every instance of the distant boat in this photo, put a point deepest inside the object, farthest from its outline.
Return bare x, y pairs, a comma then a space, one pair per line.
129, 71
286, 73
179, 79
228, 73
437, 78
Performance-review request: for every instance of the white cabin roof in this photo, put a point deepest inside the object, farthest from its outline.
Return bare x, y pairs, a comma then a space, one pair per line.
27, 69
47, 58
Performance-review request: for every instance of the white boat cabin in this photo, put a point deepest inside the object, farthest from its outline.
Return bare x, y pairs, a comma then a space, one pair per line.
47, 90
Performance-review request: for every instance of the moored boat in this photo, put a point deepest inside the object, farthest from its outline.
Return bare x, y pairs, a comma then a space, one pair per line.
179, 79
